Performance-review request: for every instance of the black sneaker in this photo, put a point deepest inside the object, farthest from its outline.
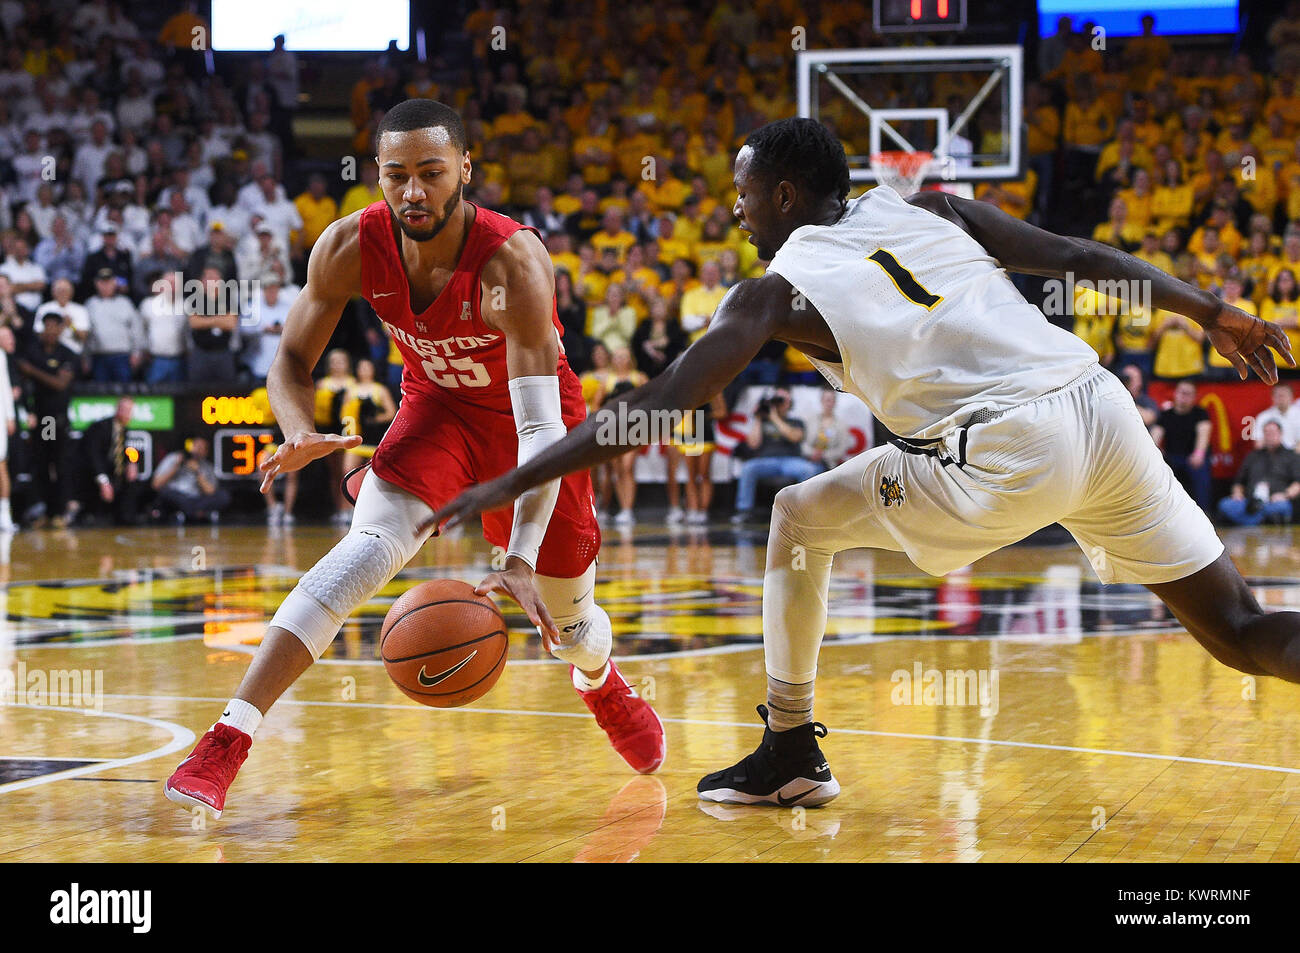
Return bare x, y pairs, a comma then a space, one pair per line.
788, 769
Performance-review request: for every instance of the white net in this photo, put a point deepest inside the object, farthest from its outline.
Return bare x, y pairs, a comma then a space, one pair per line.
901, 171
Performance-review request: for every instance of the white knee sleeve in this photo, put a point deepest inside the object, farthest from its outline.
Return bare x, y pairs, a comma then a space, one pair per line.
344, 579
586, 636
379, 544
795, 588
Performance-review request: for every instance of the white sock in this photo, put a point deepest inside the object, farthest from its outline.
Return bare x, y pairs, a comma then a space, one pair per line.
240, 714
4, 508
584, 684
588, 641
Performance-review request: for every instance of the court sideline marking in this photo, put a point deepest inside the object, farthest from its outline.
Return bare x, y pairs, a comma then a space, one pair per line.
181, 738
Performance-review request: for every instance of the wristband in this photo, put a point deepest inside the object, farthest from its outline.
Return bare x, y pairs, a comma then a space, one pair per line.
536, 405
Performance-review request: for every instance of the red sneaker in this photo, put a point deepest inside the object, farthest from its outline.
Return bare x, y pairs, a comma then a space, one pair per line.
634, 729
202, 779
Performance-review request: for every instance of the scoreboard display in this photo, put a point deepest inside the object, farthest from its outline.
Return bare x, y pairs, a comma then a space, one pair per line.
920, 16
243, 435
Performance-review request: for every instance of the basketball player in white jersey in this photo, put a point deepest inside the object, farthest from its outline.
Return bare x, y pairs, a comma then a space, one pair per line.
1008, 423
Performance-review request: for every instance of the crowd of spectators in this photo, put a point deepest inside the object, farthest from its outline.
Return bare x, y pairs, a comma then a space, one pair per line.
143, 199
621, 156
1193, 154
1186, 156
146, 235
1261, 490
138, 186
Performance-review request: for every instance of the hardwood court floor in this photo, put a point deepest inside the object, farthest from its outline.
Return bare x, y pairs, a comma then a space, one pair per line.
1108, 735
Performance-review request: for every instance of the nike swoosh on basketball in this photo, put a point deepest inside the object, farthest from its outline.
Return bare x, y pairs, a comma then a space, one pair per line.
429, 681
787, 801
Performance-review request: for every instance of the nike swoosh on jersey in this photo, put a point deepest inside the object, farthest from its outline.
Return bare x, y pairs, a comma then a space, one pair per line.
428, 681
584, 595
382, 294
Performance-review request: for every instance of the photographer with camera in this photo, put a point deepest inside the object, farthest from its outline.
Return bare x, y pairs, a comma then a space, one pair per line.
187, 483
774, 451
1267, 484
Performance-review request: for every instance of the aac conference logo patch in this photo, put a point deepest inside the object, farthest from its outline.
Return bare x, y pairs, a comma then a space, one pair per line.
891, 491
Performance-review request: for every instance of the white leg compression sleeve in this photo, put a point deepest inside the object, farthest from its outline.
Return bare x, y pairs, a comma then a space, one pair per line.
380, 542
586, 636
811, 522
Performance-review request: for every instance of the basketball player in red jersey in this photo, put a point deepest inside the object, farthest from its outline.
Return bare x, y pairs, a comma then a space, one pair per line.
469, 297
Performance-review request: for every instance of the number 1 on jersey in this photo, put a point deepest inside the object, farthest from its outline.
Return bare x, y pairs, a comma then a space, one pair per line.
904, 280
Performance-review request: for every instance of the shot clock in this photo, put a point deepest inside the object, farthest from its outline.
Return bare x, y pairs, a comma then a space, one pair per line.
238, 451
921, 16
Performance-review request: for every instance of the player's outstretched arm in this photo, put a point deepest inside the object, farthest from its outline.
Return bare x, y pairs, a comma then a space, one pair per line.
1243, 339
518, 301
333, 276
752, 313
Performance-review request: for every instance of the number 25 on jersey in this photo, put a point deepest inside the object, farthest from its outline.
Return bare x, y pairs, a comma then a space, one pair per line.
436, 368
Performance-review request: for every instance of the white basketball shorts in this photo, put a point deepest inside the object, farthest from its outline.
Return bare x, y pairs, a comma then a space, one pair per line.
1080, 456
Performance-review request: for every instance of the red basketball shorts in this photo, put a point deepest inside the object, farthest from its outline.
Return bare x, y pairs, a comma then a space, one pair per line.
438, 446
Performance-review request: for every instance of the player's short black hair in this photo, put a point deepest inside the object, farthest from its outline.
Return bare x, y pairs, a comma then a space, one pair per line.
802, 151
411, 114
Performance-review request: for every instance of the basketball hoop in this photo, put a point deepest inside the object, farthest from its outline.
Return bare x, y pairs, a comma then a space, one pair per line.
901, 171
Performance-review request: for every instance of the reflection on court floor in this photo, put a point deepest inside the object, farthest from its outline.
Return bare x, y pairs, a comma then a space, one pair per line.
1016, 710
662, 612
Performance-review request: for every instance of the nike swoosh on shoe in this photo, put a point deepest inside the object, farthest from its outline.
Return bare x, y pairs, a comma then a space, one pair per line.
786, 802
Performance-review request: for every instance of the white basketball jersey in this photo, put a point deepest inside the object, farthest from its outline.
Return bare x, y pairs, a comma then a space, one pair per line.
929, 326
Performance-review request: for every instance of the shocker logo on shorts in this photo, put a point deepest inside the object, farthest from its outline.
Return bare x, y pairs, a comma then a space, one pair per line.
891, 491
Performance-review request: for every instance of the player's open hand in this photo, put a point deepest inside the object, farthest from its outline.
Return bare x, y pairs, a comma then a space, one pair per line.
483, 498
300, 450
516, 581
1246, 340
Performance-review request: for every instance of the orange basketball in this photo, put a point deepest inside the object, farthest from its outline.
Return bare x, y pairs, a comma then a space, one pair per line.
442, 644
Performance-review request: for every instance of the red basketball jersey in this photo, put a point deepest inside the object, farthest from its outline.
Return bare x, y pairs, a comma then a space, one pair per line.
447, 350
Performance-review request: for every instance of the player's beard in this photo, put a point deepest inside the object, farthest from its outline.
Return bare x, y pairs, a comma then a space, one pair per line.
765, 252
436, 225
